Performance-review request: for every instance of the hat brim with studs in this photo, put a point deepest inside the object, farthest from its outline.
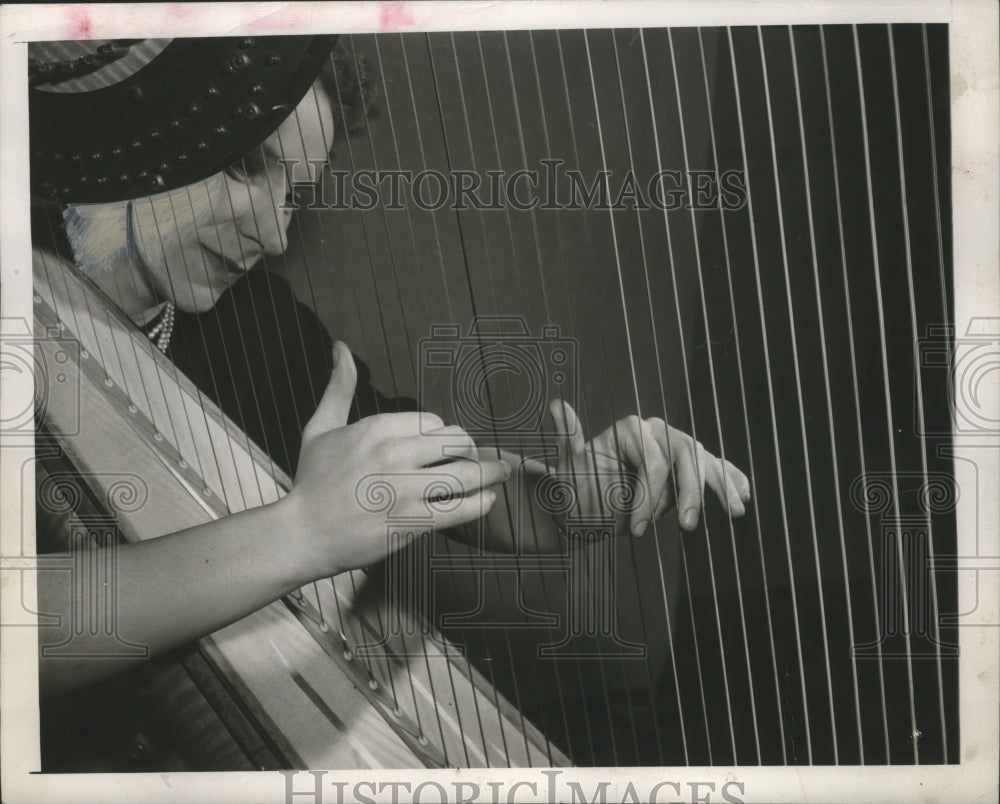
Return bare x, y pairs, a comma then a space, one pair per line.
132, 118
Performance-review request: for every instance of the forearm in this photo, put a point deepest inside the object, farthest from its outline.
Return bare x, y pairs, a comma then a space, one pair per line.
169, 591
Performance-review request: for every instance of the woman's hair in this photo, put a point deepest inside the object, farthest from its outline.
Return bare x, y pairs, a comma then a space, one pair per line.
350, 82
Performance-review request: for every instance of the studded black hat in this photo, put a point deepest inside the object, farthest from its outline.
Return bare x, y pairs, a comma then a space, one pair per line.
121, 119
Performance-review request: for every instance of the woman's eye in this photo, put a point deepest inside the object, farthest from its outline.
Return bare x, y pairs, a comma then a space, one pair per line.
250, 167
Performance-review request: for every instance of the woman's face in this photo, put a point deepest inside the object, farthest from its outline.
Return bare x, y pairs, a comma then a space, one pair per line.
196, 241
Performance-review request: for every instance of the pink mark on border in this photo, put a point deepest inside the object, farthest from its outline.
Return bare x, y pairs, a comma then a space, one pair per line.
181, 11
288, 18
394, 16
78, 22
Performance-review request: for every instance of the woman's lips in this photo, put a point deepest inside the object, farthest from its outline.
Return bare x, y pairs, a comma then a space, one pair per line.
233, 269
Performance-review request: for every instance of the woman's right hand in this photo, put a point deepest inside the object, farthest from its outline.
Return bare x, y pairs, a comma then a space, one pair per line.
331, 519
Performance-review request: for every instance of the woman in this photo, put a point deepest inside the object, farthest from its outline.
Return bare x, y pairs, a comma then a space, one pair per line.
179, 264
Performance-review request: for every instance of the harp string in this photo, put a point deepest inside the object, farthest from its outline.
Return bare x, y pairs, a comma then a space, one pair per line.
645, 269
312, 297
798, 380
411, 230
829, 407
921, 429
770, 393
562, 251
604, 361
890, 428
188, 274
416, 708
449, 304
387, 345
852, 352
656, 542
548, 312
476, 307
232, 211
175, 371
718, 424
472, 300
619, 277
345, 630
934, 175
746, 424
478, 719
583, 401
654, 339
378, 613
488, 265
602, 351
201, 332
946, 316
381, 634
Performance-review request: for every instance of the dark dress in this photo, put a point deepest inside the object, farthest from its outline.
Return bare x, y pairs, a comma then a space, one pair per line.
265, 359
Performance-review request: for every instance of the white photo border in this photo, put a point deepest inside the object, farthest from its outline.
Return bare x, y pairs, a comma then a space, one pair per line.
973, 50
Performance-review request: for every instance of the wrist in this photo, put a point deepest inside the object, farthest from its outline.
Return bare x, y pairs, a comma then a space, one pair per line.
304, 547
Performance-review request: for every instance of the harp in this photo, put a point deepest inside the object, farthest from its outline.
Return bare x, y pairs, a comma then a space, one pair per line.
782, 290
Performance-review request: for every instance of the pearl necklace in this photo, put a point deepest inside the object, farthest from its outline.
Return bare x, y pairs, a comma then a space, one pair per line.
160, 334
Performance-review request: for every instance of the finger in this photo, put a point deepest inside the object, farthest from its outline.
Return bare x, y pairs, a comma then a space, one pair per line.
335, 406
468, 509
403, 425
739, 481
654, 475
689, 482
438, 445
670, 449
663, 498
569, 433
457, 479
723, 486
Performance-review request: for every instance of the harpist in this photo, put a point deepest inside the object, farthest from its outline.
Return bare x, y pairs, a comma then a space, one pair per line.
170, 226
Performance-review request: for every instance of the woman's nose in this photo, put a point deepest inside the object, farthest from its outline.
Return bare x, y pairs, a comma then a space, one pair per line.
267, 220
274, 230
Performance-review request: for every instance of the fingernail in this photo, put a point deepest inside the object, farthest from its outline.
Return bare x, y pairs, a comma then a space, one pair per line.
745, 496
641, 528
691, 517
507, 469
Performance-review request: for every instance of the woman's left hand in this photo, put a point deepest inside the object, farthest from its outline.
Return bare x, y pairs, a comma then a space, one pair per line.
663, 465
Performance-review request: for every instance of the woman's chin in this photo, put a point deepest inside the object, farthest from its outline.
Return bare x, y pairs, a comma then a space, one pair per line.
198, 300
